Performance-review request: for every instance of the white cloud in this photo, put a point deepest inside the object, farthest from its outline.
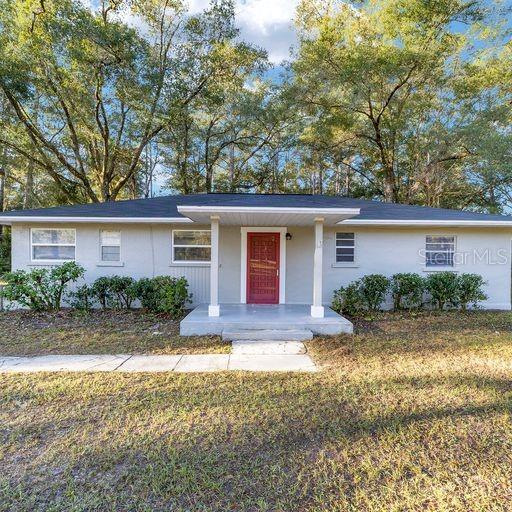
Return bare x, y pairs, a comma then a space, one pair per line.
266, 23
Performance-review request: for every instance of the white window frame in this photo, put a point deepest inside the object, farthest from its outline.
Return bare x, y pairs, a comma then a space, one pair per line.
189, 262
101, 245
433, 268
344, 263
42, 260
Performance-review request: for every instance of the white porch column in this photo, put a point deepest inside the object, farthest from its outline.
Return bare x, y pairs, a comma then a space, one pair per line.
317, 310
214, 308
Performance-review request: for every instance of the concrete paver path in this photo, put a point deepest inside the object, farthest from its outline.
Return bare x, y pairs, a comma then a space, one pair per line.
159, 363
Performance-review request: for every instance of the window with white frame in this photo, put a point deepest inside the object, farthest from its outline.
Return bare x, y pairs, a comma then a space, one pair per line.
191, 245
53, 244
110, 245
439, 251
345, 247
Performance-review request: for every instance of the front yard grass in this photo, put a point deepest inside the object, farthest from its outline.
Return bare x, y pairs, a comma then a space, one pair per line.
409, 414
23, 333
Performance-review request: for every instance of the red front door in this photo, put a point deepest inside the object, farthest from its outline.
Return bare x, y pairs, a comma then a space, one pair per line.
262, 268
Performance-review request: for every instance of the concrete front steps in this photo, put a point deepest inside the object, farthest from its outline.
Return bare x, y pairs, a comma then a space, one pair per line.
267, 341
267, 335
267, 347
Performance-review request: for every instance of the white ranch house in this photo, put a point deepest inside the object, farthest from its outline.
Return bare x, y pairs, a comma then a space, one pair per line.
264, 261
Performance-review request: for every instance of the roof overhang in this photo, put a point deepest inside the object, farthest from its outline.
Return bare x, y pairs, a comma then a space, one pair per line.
429, 223
266, 215
262, 216
8, 220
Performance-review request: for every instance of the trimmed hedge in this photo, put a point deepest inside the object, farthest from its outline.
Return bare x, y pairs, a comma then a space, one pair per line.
442, 287
164, 294
440, 290
110, 292
407, 290
44, 289
41, 289
448, 289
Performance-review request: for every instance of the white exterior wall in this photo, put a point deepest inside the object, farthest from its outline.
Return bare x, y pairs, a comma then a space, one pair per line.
146, 252
391, 250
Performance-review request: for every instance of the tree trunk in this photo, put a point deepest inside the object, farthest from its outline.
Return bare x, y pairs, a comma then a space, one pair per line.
348, 181
209, 180
28, 196
389, 189
3, 179
275, 174
232, 185
337, 181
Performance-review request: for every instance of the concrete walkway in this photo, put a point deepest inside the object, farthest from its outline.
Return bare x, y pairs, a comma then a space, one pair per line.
159, 363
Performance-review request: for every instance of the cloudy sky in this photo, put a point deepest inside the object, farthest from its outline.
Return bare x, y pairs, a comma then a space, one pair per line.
266, 23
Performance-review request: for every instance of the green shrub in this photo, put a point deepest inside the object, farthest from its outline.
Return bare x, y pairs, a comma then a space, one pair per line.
348, 300
469, 290
100, 290
82, 298
123, 291
116, 292
443, 289
407, 290
446, 289
5, 251
373, 289
148, 292
41, 289
164, 294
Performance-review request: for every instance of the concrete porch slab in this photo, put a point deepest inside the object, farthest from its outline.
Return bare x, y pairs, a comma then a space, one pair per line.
236, 317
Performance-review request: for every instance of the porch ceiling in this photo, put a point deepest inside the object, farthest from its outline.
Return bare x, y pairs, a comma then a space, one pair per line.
267, 216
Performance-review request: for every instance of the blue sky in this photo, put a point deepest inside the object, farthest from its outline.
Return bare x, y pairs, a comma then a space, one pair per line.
266, 23
269, 23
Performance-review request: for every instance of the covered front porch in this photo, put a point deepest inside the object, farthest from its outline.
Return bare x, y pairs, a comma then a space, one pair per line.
280, 275
237, 317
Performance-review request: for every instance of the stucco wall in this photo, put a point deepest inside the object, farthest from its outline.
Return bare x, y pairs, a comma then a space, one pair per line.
146, 251
388, 251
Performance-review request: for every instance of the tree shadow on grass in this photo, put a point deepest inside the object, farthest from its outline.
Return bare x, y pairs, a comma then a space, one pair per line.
239, 445
341, 349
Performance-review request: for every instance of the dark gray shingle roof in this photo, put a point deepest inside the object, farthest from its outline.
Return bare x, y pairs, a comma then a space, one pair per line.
166, 206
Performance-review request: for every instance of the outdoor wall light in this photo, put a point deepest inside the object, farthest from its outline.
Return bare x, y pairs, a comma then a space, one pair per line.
288, 236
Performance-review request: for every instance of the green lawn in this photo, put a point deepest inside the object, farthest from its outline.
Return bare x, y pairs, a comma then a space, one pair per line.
99, 332
409, 414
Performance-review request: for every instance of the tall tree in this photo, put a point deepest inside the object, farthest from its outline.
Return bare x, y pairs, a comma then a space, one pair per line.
229, 141
91, 92
378, 76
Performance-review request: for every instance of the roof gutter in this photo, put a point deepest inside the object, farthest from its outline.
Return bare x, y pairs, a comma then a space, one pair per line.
443, 223
8, 220
267, 209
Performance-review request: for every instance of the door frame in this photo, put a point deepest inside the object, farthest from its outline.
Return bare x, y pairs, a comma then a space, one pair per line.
275, 240
282, 259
